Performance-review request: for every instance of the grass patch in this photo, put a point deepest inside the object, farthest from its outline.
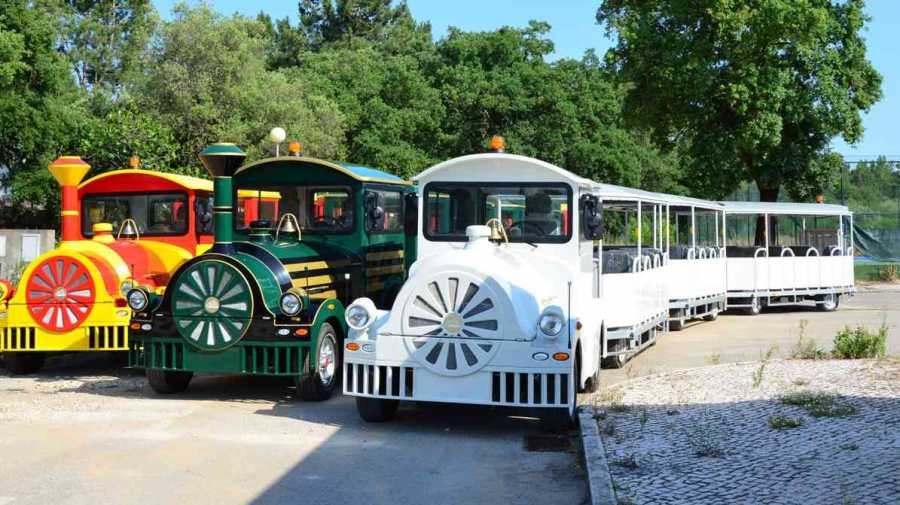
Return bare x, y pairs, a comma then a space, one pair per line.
629, 461
607, 428
805, 347
757, 376
881, 272
819, 404
779, 422
800, 381
848, 447
714, 358
860, 342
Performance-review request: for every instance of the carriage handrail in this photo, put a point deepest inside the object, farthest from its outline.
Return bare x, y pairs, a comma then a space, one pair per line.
849, 251
786, 250
760, 250
838, 251
702, 254
636, 265
812, 250
721, 251
657, 260
691, 253
646, 263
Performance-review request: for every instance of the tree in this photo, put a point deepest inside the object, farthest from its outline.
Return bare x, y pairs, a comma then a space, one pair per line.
568, 113
330, 21
208, 81
39, 106
753, 90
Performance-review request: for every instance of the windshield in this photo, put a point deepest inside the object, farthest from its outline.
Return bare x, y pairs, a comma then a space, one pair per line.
154, 213
318, 209
534, 212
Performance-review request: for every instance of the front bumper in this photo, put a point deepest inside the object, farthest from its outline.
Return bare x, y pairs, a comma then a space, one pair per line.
105, 330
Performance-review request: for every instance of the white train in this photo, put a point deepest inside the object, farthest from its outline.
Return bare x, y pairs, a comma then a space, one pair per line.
530, 278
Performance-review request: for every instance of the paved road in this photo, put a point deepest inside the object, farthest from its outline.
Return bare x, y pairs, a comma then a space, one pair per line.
76, 435
735, 338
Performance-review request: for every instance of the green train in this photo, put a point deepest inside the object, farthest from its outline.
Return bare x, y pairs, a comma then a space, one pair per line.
268, 298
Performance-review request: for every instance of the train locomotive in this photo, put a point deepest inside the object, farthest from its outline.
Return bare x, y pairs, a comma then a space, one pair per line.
119, 229
268, 297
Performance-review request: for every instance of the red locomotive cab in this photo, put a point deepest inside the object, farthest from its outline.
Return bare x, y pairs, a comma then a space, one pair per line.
120, 229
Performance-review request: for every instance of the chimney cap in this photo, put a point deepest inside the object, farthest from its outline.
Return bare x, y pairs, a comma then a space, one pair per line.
222, 158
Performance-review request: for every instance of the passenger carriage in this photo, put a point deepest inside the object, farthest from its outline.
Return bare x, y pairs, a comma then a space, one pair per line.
787, 254
119, 228
507, 304
268, 298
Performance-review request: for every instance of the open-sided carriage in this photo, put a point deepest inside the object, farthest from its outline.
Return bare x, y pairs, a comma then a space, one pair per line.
788, 253
268, 298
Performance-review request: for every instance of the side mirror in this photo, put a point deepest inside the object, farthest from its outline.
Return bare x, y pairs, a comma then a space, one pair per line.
591, 217
410, 213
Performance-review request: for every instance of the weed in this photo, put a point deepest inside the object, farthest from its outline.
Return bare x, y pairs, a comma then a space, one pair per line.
714, 358
629, 461
701, 437
631, 371
819, 404
619, 407
848, 447
672, 412
860, 342
643, 417
779, 422
607, 428
805, 347
887, 273
800, 381
624, 500
764, 360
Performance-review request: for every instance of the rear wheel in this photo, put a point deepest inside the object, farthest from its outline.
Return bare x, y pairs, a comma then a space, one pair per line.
320, 384
617, 361
755, 306
828, 303
23, 363
376, 410
712, 316
676, 324
169, 382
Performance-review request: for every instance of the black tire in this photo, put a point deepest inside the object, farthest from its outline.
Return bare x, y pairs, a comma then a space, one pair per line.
828, 303
376, 410
23, 363
617, 361
676, 325
712, 316
317, 386
168, 382
556, 420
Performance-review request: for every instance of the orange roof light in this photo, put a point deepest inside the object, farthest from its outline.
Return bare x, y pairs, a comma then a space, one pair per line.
498, 144
134, 162
295, 148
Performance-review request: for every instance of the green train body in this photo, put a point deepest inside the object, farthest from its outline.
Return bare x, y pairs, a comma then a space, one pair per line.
323, 233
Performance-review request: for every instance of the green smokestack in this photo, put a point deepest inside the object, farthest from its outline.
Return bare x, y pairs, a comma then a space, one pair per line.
221, 161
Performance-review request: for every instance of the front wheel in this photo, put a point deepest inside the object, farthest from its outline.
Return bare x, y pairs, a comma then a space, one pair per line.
712, 316
755, 306
376, 410
23, 363
676, 325
168, 382
320, 384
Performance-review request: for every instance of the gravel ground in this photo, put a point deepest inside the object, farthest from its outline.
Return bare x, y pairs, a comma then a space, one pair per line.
703, 435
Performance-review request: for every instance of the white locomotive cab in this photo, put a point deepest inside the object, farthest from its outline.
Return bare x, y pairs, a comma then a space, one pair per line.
788, 253
509, 314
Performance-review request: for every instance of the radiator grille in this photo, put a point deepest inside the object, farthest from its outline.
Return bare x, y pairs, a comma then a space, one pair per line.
17, 339
103, 338
266, 360
161, 355
379, 380
515, 388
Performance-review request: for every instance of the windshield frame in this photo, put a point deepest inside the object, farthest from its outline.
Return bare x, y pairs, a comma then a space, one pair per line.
560, 239
307, 189
89, 231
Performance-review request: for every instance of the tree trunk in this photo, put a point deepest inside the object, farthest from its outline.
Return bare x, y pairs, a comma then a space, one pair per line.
766, 194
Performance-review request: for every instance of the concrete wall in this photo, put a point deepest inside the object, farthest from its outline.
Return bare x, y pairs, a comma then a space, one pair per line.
18, 247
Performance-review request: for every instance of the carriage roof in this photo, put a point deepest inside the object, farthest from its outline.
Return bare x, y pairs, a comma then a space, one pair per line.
806, 209
186, 181
357, 172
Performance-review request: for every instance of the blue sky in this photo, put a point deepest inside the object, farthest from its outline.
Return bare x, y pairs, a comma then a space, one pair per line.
574, 31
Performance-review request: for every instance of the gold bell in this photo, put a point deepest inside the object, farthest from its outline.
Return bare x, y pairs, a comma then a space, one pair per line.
288, 226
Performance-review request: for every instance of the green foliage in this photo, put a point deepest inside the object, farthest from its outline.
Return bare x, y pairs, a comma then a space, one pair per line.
805, 347
778, 422
860, 342
819, 404
753, 91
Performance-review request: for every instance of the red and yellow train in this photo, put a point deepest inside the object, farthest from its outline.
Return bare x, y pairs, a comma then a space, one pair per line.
120, 229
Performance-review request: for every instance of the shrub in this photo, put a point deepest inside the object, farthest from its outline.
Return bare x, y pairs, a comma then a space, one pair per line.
860, 342
784, 422
819, 404
805, 347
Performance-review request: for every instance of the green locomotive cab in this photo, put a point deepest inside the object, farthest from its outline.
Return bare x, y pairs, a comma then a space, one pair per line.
296, 238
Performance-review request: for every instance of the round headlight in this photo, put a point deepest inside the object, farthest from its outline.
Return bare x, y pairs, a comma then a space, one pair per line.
291, 304
126, 286
551, 324
360, 314
138, 299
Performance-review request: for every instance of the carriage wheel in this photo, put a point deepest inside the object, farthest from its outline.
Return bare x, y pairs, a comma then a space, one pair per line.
712, 316
168, 382
755, 306
60, 293
376, 410
320, 385
676, 324
23, 363
829, 302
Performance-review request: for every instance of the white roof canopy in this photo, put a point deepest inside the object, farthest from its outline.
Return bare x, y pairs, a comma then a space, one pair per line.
799, 209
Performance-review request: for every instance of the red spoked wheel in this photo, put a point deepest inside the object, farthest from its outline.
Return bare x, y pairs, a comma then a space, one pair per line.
60, 293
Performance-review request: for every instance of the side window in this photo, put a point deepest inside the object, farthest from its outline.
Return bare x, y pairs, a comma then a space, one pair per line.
204, 213
384, 211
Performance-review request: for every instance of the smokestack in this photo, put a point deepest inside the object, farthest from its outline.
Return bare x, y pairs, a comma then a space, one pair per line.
68, 172
221, 161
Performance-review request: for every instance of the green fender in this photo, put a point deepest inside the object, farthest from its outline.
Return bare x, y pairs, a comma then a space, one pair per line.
329, 309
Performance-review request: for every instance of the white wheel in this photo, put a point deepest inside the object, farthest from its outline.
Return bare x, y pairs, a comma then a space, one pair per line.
829, 302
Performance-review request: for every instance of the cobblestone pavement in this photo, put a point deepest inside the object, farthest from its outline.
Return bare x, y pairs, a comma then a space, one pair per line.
703, 435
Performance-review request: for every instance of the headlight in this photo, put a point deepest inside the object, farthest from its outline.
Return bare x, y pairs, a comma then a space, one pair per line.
551, 324
291, 303
126, 286
138, 299
360, 314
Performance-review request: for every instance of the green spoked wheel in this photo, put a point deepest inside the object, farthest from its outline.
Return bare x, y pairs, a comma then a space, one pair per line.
212, 305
